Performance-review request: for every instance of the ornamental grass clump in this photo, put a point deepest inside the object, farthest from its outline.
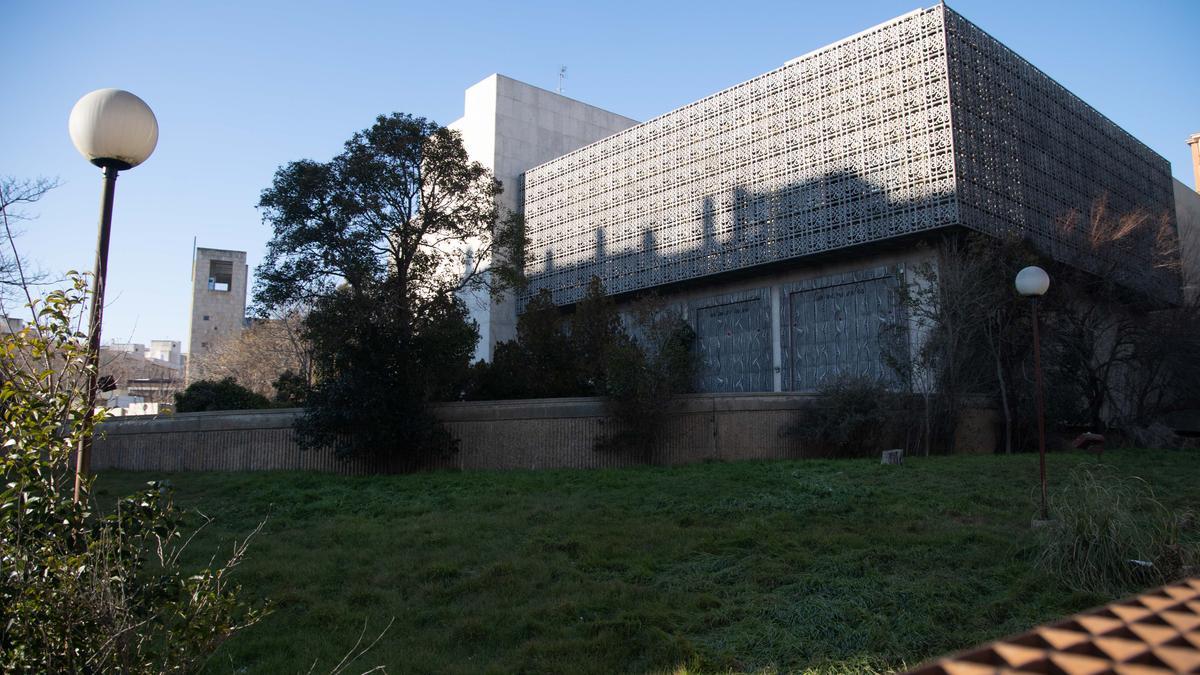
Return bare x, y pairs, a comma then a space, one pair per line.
1109, 535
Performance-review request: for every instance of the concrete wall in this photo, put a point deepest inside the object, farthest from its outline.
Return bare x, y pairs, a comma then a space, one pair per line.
1187, 218
535, 434
773, 290
509, 127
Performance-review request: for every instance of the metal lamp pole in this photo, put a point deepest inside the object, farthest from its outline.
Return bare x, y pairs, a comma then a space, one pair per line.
114, 130
83, 458
1033, 282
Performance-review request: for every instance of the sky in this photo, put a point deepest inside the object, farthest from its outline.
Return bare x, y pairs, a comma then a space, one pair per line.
241, 88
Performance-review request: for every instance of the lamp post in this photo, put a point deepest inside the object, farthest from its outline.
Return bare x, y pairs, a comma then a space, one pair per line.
114, 130
1033, 282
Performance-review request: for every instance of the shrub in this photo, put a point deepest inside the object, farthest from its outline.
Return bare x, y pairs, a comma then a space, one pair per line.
80, 591
226, 394
378, 372
641, 377
1109, 535
291, 389
541, 363
852, 417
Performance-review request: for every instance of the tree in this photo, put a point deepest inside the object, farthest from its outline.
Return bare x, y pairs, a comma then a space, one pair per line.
15, 278
1096, 337
380, 242
972, 332
637, 365
539, 363
555, 354
642, 373
265, 351
1110, 356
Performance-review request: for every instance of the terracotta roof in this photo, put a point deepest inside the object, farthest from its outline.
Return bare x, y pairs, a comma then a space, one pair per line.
1157, 632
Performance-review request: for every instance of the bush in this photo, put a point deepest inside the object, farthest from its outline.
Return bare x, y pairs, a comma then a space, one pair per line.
641, 377
853, 417
379, 371
637, 365
1109, 535
291, 389
541, 363
80, 591
226, 394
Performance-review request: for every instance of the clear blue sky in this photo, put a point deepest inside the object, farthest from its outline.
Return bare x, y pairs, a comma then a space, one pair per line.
240, 88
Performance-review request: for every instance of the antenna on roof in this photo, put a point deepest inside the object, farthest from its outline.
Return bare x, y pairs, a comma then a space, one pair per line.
562, 75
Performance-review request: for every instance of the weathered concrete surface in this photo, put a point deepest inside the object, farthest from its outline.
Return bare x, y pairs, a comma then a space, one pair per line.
530, 434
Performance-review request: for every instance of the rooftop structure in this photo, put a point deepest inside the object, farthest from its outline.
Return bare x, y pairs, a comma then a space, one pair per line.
782, 215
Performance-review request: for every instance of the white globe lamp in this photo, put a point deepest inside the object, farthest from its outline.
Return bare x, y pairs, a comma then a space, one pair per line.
1033, 282
116, 131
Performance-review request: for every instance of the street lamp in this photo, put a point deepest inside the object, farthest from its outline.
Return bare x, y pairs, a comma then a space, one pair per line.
1033, 282
114, 130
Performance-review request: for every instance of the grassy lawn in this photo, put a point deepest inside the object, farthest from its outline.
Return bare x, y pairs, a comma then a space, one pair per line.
834, 566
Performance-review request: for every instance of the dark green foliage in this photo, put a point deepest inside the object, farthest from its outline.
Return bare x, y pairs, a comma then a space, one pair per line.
851, 417
540, 363
225, 394
387, 370
596, 334
591, 352
641, 378
555, 354
379, 242
83, 592
838, 566
291, 389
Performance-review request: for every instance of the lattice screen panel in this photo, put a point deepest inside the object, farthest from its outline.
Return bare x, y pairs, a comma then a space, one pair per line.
848, 145
917, 124
841, 325
1028, 152
733, 342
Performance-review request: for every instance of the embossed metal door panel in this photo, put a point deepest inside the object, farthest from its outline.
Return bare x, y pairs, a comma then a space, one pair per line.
734, 347
839, 330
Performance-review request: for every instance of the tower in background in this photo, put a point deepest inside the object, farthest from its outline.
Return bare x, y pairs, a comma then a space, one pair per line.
218, 303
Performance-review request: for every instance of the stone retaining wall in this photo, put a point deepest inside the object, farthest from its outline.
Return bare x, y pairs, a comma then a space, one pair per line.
530, 434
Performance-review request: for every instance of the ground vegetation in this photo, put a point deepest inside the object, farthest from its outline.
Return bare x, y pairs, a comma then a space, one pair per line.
826, 566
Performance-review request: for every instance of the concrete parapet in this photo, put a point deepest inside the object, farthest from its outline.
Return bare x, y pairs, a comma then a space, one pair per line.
527, 434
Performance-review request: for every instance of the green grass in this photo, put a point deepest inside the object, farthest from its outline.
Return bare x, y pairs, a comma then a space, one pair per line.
834, 566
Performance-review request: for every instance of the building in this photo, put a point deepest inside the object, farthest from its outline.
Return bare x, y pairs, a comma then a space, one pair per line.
510, 127
218, 303
166, 350
781, 214
1187, 211
141, 380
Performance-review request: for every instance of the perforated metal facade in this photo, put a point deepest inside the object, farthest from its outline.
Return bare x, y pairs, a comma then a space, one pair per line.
845, 146
921, 123
1028, 152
